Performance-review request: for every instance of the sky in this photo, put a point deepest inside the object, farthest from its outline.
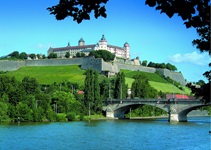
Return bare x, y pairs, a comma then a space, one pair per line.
27, 26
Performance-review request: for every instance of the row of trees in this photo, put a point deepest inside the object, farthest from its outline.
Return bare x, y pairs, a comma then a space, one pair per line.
24, 56
159, 65
30, 101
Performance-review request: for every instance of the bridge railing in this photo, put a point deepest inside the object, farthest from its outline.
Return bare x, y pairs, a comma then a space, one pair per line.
158, 101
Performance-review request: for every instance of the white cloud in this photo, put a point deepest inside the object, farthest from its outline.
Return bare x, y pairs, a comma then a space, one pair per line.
194, 58
43, 46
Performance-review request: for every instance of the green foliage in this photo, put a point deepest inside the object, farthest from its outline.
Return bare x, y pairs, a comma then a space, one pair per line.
23, 55
32, 56
144, 63
141, 88
92, 98
14, 54
30, 85
146, 111
104, 54
61, 117
4, 111
71, 116
67, 55
120, 90
163, 66
52, 55
79, 10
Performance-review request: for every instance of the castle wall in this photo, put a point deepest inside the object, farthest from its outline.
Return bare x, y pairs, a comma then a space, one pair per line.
136, 68
7, 65
177, 76
91, 62
54, 62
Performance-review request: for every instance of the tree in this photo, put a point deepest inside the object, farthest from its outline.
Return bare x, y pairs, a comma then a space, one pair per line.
78, 9
78, 54
24, 112
92, 91
66, 102
171, 67
83, 54
52, 55
120, 90
97, 99
67, 55
151, 64
14, 54
144, 63
141, 88
43, 56
104, 54
30, 85
32, 56
23, 55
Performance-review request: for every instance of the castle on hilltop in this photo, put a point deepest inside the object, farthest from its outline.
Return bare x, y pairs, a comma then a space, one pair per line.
123, 52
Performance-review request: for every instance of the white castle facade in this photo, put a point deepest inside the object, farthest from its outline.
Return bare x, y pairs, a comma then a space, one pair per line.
123, 52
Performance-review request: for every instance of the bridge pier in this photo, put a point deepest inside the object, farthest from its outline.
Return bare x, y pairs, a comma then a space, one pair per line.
177, 118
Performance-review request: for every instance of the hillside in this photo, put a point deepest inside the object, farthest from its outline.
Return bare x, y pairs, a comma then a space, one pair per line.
156, 82
73, 73
51, 74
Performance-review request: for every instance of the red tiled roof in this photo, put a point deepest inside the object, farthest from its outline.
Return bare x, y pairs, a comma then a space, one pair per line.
80, 92
177, 96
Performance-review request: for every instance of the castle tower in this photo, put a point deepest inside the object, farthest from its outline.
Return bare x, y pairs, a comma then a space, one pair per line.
127, 50
103, 43
81, 42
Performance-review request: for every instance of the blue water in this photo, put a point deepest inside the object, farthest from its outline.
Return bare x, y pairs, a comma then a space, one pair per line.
109, 134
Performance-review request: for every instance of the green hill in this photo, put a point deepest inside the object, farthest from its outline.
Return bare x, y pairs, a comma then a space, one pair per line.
51, 74
160, 84
73, 73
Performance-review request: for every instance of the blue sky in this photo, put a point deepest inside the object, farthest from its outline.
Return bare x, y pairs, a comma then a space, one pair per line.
26, 26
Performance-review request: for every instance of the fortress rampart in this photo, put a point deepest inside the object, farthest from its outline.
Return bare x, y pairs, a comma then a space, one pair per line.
90, 62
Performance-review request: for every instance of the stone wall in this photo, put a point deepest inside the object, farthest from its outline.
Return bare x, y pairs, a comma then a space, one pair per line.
136, 68
7, 65
90, 62
177, 76
54, 62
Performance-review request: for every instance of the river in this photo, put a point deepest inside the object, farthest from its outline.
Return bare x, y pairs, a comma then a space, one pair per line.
108, 135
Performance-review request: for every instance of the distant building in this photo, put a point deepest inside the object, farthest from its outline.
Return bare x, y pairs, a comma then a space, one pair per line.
123, 52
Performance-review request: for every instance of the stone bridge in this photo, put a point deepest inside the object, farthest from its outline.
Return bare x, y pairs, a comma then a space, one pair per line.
177, 109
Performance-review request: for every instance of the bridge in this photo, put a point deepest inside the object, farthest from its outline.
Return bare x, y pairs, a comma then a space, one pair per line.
177, 109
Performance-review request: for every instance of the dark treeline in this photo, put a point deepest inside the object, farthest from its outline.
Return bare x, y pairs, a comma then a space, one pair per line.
162, 65
24, 55
159, 65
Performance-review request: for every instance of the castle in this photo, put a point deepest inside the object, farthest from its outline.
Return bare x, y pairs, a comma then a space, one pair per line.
122, 52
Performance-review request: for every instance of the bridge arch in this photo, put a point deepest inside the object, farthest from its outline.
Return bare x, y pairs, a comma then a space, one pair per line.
182, 115
121, 111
